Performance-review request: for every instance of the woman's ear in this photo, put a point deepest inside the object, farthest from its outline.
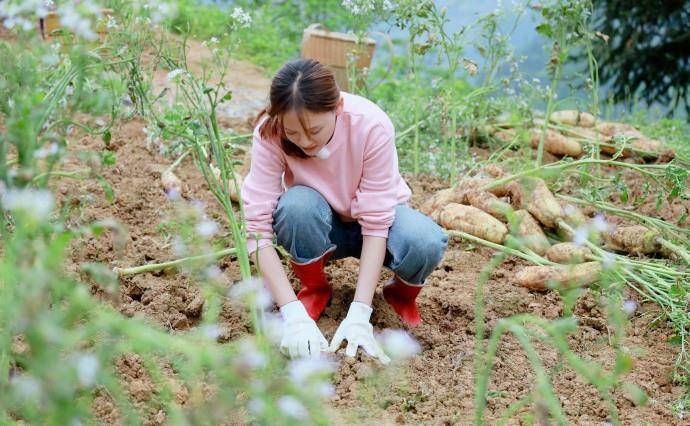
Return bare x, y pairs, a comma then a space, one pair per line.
340, 105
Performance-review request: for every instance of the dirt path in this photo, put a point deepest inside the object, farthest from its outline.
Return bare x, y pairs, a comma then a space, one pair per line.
246, 81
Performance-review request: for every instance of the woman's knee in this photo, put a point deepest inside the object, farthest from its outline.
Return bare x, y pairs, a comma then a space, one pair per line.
428, 247
301, 205
417, 244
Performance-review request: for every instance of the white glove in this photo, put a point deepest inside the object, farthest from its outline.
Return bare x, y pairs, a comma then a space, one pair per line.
357, 330
301, 336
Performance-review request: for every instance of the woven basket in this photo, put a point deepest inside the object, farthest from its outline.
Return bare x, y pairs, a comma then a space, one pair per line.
52, 23
332, 49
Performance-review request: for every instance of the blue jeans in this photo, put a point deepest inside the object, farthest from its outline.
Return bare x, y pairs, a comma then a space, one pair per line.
307, 227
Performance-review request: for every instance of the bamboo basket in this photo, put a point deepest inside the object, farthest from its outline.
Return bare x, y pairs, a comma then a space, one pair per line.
332, 48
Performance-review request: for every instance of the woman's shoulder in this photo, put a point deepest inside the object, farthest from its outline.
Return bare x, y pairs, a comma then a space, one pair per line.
365, 113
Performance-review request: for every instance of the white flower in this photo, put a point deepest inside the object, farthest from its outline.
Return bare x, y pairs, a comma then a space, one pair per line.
291, 407
325, 390
76, 20
302, 370
50, 59
629, 306
599, 223
174, 74
256, 406
210, 331
399, 344
214, 40
212, 272
241, 18
162, 11
206, 228
272, 326
179, 247
112, 22
608, 260
36, 202
250, 356
581, 235
46, 151
87, 366
252, 290
28, 387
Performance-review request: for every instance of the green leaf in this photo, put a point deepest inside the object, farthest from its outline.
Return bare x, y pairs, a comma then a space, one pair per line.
106, 137
624, 363
675, 340
544, 29
227, 96
108, 158
108, 189
635, 393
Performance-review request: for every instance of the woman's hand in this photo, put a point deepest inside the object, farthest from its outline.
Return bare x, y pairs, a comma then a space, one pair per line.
358, 331
301, 336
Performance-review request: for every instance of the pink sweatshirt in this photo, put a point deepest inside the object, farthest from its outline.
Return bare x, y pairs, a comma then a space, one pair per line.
360, 180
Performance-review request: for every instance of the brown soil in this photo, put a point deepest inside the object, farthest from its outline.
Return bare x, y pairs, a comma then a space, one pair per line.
435, 388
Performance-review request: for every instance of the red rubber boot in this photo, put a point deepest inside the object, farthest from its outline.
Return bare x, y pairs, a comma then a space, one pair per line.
401, 296
316, 291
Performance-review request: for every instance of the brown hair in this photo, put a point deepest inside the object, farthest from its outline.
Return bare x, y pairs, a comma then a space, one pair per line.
303, 84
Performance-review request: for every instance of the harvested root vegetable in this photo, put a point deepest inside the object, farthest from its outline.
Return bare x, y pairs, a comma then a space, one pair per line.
611, 129
556, 144
531, 234
568, 253
533, 195
573, 117
505, 135
440, 199
652, 148
456, 194
573, 217
635, 239
494, 171
489, 203
579, 132
472, 221
170, 182
545, 277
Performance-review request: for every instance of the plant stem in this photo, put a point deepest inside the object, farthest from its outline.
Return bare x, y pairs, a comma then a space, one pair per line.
173, 263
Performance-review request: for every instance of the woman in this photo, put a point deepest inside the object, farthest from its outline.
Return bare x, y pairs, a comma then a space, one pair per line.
324, 181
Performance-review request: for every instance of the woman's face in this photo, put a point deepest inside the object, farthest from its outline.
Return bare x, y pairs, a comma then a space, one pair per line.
320, 125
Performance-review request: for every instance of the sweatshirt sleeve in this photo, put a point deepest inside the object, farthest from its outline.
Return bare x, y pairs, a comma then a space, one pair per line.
374, 203
260, 192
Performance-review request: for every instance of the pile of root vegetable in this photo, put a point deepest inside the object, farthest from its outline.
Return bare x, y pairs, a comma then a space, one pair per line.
520, 215
573, 133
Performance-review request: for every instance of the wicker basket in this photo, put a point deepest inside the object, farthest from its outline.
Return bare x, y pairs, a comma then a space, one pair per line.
332, 48
52, 23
